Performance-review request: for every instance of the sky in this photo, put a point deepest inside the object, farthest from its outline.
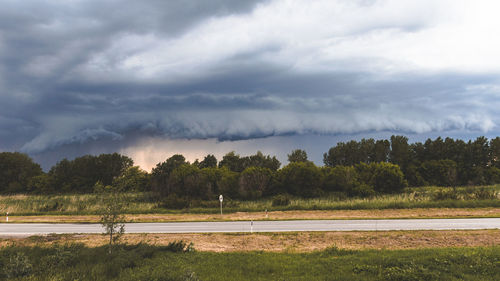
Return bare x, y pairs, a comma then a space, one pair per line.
150, 79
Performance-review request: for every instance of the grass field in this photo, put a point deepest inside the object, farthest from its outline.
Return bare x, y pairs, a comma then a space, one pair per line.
144, 203
145, 262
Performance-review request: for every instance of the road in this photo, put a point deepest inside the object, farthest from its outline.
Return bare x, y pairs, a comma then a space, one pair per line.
12, 229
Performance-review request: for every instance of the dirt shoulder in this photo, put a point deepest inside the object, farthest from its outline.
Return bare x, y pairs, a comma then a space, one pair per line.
278, 215
286, 242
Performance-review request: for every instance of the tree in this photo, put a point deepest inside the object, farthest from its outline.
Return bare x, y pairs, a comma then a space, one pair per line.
16, 171
254, 182
111, 212
301, 179
133, 179
232, 161
208, 162
160, 175
80, 174
400, 151
340, 178
297, 155
495, 152
439, 172
259, 160
188, 181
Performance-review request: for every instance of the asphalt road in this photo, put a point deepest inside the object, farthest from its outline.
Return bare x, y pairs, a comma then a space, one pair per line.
13, 229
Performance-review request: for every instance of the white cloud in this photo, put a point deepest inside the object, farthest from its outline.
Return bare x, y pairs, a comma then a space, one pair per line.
388, 36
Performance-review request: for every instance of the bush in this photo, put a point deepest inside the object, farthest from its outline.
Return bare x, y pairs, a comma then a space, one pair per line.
362, 190
301, 179
484, 193
254, 182
384, 177
446, 194
179, 247
340, 178
52, 206
174, 202
281, 200
18, 266
439, 172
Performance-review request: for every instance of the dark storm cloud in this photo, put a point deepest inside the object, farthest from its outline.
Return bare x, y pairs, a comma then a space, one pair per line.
74, 74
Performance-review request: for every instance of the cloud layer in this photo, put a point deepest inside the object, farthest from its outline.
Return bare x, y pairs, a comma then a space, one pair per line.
77, 72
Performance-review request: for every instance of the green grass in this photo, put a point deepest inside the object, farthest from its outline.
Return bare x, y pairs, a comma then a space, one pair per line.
144, 203
145, 262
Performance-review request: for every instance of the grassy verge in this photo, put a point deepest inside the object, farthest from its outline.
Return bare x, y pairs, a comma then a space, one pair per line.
283, 242
275, 215
144, 203
145, 262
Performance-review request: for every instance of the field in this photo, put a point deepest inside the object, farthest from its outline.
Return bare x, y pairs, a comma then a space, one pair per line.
144, 203
177, 262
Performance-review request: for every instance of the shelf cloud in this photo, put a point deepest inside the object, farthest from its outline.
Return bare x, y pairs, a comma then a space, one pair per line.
80, 72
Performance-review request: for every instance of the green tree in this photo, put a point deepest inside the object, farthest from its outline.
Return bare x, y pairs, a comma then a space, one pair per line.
188, 181
261, 160
400, 151
208, 162
133, 179
16, 171
297, 155
80, 174
439, 172
301, 179
228, 183
495, 152
111, 212
340, 178
160, 175
232, 161
254, 182
383, 177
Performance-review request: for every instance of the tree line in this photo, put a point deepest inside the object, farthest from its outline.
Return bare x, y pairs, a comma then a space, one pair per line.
354, 168
442, 162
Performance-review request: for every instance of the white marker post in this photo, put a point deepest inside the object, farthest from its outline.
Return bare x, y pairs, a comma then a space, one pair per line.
251, 226
220, 199
7, 219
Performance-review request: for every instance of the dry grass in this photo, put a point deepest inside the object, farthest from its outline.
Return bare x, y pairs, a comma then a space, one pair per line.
287, 242
277, 215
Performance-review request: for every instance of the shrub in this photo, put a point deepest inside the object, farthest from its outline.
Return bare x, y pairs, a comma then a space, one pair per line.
253, 182
384, 177
301, 179
179, 247
18, 266
340, 178
439, 172
51, 206
484, 193
174, 202
362, 190
446, 194
281, 200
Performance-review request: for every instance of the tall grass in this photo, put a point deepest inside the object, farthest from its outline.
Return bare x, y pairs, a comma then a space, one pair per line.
145, 203
82, 204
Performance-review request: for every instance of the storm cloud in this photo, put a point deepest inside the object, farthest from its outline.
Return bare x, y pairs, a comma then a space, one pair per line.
74, 73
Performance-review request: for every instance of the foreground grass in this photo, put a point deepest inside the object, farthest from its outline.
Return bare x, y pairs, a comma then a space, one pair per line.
144, 262
144, 203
